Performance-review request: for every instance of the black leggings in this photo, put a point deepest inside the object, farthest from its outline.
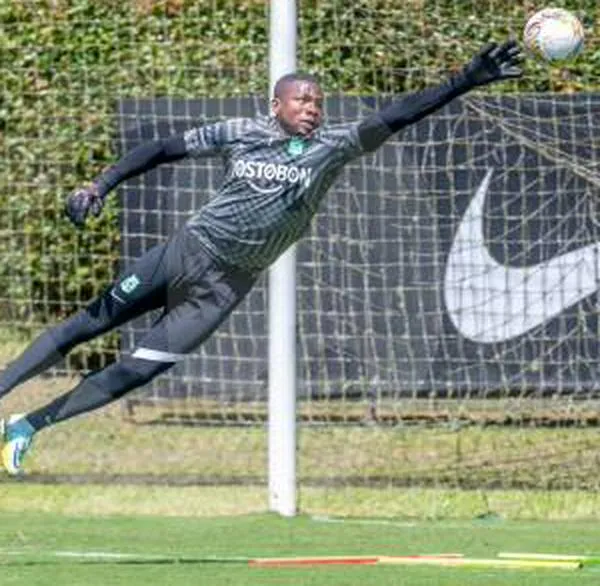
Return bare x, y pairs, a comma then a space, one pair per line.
195, 293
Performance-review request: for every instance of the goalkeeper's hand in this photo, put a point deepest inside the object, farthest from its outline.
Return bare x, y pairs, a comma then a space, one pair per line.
84, 201
494, 63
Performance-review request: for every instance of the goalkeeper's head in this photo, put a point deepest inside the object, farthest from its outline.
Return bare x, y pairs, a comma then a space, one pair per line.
298, 103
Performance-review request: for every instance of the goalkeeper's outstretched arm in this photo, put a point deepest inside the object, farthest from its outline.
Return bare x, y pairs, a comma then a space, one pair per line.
90, 199
493, 63
203, 140
141, 159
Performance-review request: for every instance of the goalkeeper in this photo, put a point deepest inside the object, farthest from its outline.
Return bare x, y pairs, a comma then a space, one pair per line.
277, 170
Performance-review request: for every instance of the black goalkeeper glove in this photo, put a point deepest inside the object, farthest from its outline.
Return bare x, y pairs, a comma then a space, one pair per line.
84, 201
494, 63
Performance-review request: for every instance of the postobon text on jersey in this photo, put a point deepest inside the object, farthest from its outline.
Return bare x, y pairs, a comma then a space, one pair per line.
279, 173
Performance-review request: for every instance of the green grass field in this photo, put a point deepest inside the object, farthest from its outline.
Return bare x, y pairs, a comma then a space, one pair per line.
48, 549
110, 501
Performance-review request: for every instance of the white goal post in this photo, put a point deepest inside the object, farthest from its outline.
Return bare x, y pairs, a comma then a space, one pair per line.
282, 306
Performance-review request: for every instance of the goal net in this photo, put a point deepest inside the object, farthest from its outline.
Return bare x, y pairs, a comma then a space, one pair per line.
447, 292
449, 279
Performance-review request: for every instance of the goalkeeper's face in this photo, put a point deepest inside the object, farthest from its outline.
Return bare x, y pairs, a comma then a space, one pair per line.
299, 107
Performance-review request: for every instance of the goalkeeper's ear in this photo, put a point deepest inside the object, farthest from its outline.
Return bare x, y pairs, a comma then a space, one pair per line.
275, 106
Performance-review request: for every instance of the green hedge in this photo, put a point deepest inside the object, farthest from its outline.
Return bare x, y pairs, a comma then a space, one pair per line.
65, 62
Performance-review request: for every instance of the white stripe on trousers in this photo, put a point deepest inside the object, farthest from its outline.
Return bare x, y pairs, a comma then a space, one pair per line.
157, 355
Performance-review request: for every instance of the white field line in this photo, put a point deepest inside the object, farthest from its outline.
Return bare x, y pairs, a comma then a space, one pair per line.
78, 554
112, 555
325, 519
443, 524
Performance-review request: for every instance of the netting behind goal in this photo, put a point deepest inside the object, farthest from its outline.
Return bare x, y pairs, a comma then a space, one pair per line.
457, 262
447, 292
450, 277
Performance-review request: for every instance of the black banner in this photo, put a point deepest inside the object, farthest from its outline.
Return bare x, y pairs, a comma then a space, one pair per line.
461, 258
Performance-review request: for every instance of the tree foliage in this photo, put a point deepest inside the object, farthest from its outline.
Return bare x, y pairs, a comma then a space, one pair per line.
65, 62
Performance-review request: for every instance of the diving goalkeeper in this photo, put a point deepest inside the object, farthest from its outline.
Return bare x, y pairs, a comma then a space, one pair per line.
277, 171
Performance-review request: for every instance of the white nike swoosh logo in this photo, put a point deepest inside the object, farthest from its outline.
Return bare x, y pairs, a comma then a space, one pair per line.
489, 302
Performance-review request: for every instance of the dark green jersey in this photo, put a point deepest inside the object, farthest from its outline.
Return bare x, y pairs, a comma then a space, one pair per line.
272, 187
273, 183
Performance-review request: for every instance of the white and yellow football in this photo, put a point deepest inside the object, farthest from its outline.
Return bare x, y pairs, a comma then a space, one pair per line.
554, 34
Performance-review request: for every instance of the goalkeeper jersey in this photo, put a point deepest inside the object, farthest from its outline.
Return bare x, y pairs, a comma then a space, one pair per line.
273, 184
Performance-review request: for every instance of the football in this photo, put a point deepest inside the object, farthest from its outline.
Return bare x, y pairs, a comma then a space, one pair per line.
554, 34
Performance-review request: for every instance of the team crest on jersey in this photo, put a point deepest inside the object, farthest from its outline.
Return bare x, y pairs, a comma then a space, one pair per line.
129, 284
295, 146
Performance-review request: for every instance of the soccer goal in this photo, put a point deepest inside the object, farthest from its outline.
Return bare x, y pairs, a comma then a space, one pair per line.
446, 323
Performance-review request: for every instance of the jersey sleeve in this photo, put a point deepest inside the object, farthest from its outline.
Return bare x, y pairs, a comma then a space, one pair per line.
372, 132
214, 137
359, 137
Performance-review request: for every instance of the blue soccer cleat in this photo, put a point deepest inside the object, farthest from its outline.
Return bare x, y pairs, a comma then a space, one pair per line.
17, 435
